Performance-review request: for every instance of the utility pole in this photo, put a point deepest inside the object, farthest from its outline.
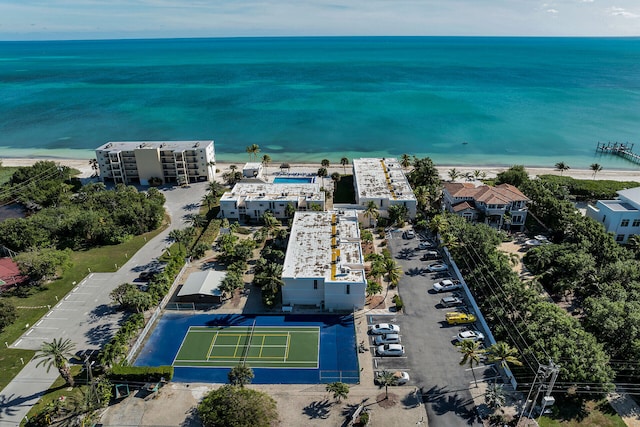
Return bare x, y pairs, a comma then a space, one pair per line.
545, 371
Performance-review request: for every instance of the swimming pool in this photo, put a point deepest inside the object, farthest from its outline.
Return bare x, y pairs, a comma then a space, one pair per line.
292, 180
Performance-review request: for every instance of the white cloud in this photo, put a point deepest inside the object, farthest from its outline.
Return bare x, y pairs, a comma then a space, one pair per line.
552, 11
618, 11
587, 1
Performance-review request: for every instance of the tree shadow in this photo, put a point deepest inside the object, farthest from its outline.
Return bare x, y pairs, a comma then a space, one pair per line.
415, 271
192, 419
100, 311
406, 253
99, 335
318, 409
191, 206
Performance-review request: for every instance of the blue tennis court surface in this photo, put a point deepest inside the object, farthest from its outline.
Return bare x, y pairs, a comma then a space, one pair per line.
337, 357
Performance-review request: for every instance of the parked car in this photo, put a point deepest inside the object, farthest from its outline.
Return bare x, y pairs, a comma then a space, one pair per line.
387, 339
458, 318
384, 328
437, 267
430, 256
390, 350
446, 286
409, 234
470, 336
451, 301
402, 377
425, 245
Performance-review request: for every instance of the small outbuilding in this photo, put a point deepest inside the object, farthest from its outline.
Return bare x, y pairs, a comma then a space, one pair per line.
252, 170
203, 287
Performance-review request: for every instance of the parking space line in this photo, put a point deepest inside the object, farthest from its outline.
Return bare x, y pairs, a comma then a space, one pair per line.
30, 330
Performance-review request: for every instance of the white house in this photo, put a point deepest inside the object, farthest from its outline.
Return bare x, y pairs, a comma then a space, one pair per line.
252, 170
383, 182
621, 216
489, 204
178, 162
324, 264
252, 200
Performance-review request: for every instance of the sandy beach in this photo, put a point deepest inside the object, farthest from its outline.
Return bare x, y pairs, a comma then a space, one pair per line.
611, 174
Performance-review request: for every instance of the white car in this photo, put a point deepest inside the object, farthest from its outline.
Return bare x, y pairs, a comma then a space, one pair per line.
437, 267
384, 328
446, 286
470, 336
402, 377
409, 234
387, 339
425, 245
390, 350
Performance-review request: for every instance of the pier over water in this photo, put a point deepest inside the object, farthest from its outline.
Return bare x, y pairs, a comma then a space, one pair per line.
624, 150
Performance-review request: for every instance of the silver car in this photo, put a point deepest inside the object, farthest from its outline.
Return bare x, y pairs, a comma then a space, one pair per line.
387, 339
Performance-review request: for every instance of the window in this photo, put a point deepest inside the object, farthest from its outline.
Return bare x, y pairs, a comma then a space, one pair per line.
624, 223
636, 223
348, 289
620, 238
517, 219
315, 284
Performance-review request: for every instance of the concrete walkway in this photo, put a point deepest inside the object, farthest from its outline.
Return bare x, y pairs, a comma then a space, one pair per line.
85, 315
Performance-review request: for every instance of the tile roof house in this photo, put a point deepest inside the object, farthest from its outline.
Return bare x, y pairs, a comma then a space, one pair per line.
486, 204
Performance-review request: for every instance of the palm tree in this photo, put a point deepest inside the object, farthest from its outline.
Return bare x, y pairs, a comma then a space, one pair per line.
57, 353
240, 375
335, 177
634, 244
502, 353
94, 166
324, 163
344, 162
233, 168
477, 174
216, 188
340, 390
595, 167
209, 199
393, 271
471, 352
405, 161
371, 211
386, 378
438, 224
322, 172
266, 159
453, 174
178, 236
495, 397
197, 220
253, 151
270, 222
562, 166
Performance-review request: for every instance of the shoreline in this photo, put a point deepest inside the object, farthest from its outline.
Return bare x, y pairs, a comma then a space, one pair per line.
606, 174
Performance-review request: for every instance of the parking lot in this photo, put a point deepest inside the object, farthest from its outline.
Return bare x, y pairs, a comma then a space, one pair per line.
431, 358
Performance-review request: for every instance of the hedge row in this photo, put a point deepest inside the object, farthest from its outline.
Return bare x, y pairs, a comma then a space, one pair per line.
140, 373
590, 189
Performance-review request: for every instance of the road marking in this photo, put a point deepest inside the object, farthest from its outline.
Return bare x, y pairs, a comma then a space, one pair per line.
30, 330
39, 321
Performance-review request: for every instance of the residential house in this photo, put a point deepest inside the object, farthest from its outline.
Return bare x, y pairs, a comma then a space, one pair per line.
620, 216
499, 206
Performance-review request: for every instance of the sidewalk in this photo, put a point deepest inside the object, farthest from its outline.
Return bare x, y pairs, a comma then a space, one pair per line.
23, 392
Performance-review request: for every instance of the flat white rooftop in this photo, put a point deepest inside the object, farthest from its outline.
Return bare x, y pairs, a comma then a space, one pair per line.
271, 191
325, 245
619, 206
164, 145
381, 178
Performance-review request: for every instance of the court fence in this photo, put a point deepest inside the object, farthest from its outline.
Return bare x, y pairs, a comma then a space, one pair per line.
191, 306
156, 313
351, 377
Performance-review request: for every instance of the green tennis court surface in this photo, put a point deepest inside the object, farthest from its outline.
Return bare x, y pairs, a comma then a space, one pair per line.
260, 347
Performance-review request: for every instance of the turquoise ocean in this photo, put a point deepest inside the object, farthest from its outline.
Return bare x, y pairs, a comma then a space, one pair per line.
460, 100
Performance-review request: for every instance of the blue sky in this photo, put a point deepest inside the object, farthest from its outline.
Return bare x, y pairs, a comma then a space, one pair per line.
89, 19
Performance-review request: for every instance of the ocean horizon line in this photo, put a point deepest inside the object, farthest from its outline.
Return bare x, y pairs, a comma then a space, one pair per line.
326, 37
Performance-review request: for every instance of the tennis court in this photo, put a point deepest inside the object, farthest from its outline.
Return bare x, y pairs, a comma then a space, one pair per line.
259, 346
294, 349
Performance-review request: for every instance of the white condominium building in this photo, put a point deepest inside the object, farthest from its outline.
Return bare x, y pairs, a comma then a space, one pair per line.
383, 182
252, 200
324, 264
178, 162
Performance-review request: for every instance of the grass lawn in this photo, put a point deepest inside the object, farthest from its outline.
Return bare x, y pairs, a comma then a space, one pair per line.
587, 413
102, 259
345, 192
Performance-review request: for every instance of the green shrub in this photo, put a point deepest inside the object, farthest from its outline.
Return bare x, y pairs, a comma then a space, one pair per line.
140, 373
398, 302
590, 189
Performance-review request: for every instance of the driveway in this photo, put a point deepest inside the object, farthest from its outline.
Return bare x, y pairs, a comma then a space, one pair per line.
432, 359
85, 315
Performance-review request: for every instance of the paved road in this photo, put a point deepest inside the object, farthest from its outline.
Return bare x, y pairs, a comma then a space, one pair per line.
432, 358
85, 315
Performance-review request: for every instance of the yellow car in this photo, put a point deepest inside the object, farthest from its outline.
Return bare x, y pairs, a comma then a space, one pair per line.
457, 318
